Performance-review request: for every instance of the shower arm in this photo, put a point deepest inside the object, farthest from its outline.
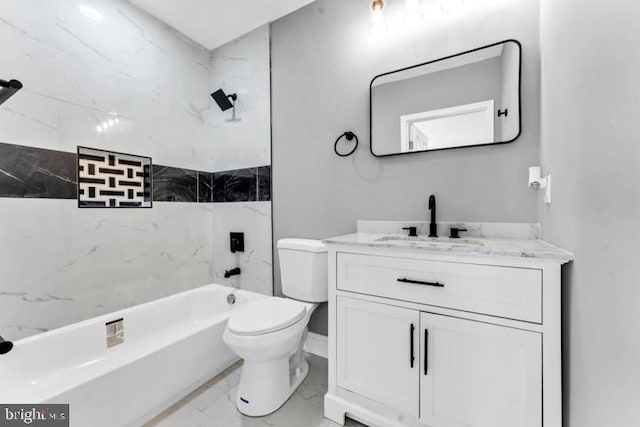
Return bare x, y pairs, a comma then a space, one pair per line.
233, 98
5, 346
8, 89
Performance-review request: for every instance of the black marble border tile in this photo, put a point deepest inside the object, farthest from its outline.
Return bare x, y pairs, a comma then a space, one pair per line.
29, 172
205, 187
238, 185
264, 183
174, 184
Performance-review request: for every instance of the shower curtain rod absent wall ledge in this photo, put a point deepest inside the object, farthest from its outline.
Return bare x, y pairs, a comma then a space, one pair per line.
8, 89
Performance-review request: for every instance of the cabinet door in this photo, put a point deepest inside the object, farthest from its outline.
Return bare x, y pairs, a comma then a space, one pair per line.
378, 352
475, 374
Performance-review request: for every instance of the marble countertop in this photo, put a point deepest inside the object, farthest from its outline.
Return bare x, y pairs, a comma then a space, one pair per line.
490, 246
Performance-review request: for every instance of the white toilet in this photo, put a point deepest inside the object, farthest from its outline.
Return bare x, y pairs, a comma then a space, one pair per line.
269, 334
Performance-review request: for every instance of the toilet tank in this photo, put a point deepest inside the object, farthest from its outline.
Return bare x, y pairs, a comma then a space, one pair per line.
303, 267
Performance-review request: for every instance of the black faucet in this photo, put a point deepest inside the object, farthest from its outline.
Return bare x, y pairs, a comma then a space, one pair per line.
455, 232
5, 346
232, 272
413, 231
433, 227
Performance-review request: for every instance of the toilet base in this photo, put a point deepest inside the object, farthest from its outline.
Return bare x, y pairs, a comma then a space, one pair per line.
266, 386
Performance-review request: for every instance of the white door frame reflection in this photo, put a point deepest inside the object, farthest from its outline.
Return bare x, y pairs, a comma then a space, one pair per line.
469, 124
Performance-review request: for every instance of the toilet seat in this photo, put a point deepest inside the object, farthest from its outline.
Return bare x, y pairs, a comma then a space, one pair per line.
265, 316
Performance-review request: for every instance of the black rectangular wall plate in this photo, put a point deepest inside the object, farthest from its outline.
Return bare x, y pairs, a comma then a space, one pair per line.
236, 242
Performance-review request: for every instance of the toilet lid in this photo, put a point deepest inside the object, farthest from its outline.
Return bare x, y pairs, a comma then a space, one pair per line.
266, 315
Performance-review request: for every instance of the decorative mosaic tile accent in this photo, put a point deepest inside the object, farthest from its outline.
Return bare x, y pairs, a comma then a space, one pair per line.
114, 180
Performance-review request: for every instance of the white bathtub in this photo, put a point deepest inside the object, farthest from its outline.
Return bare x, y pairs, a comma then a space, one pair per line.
171, 346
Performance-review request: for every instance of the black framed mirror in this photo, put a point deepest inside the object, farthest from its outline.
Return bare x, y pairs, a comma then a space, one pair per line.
467, 99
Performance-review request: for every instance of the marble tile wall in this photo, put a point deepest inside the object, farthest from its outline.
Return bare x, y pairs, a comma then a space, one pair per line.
243, 67
78, 72
60, 264
242, 161
254, 220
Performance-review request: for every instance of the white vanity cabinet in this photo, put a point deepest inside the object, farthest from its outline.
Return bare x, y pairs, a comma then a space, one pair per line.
479, 374
378, 347
444, 370
443, 340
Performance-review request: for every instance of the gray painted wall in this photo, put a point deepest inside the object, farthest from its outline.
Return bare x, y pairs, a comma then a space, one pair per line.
323, 59
590, 128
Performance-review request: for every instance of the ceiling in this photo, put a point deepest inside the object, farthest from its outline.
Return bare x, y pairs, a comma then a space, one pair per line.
213, 23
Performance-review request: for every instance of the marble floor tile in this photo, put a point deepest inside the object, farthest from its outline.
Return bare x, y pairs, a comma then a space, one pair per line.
215, 389
213, 404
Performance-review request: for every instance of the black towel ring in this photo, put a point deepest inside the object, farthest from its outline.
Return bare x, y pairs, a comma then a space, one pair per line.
349, 135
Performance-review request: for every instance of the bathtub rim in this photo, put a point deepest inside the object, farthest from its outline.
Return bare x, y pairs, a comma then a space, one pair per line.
120, 312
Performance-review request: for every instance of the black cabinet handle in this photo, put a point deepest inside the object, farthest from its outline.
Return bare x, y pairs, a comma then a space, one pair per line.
426, 351
411, 357
420, 282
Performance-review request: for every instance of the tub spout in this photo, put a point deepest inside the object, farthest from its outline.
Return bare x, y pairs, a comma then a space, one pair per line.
232, 272
5, 346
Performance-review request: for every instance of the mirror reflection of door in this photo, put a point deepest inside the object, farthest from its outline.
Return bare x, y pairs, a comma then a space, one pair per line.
470, 124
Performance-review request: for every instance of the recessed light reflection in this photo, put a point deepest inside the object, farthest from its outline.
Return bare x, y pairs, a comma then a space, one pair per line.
107, 123
90, 12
